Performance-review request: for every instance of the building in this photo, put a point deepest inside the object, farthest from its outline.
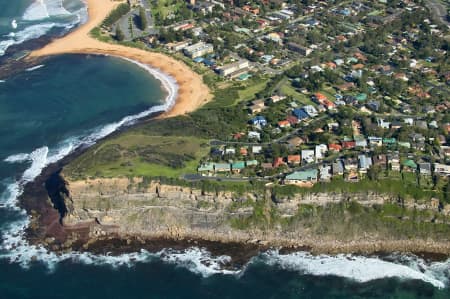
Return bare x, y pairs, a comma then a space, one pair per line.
394, 161
310, 110
305, 178
308, 156
425, 168
234, 68
321, 150
380, 161
299, 49
259, 121
364, 163
442, 169
294, 159
325, 173
338, 167
198, 49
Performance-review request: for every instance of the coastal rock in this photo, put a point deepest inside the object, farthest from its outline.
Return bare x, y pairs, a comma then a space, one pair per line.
129, 208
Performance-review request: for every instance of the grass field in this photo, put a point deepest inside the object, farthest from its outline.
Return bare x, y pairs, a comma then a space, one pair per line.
140, 155
288, 90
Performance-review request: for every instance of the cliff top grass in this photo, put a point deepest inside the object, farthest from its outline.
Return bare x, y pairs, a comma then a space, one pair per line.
134, 154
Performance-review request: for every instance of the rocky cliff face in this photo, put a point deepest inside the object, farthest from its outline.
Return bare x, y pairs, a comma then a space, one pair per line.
132, 207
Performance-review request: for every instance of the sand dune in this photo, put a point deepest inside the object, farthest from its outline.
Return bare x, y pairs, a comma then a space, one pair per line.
192, 93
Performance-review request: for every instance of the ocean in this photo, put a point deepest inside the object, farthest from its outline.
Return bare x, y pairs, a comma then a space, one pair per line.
71, 100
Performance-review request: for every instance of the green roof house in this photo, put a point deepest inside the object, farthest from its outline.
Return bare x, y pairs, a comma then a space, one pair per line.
222, 167
389, 141
409, 165
252, 163
206, 167
237, 166
361, 97
303, 177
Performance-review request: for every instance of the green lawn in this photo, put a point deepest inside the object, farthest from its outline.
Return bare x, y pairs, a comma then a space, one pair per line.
252, 87
288, 90
140, 155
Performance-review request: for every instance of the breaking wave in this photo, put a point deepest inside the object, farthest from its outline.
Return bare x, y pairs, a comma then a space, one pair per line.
14, 246
361, 269
39, 18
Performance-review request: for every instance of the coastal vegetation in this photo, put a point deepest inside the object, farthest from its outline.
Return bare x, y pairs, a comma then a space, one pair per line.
121, 10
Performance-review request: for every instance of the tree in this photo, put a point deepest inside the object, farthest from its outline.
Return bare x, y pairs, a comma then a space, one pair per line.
119, 34
142, 23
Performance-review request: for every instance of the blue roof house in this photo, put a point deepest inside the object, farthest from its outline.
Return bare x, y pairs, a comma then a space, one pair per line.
300, 114
259, 120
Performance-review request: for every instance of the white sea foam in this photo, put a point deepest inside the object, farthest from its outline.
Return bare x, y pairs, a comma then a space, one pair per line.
30, 32
198, 260
16, 248
359, 268
34, 68
42, 9
50, 14
14, 243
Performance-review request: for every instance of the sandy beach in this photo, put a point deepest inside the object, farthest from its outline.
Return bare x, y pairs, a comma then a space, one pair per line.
192, 92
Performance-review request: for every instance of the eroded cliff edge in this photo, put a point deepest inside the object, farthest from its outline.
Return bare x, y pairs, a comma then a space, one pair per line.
94, 211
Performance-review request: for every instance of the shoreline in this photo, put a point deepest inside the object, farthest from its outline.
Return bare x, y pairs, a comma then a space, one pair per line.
182, 106
192, 92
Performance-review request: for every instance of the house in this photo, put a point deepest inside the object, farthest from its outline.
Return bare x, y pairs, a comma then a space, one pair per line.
206, 167
238, 166
277, 98
323, 100
284, 124
389, 141
404, 144
375, 141
266, 166
308, 156
256, 149
394, 161
348, 144
254, 135
351, 164
334, 147
295, 142
277, 162
243, 151
300, 114
380, 161
409, 165
321, 150
364, 163
310, 110
425, 168
442, 169
259, 121
294, 159
325, 173
383, 124
230, 151
338, 167
222, 167
253, 109
305, 178
360, 141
